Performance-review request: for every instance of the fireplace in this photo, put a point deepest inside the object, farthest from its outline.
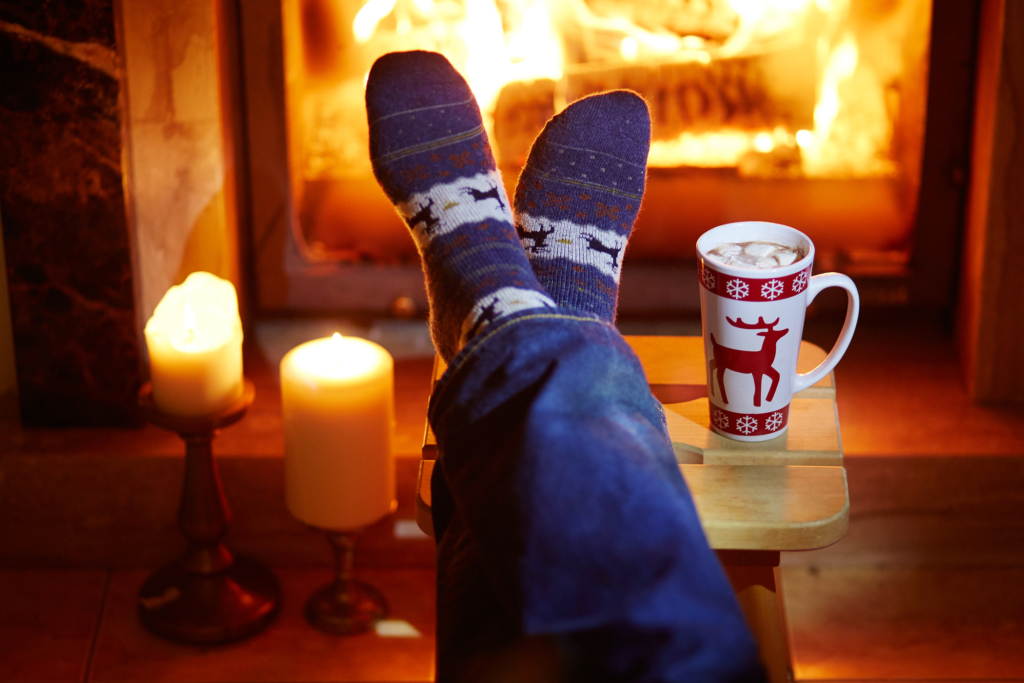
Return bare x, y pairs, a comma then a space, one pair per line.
164, 125
813, 113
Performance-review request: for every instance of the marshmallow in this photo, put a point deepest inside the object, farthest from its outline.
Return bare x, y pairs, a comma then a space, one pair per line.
785, 257
754, 254
759, 248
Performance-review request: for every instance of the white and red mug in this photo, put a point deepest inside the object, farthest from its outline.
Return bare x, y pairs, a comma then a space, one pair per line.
753, 321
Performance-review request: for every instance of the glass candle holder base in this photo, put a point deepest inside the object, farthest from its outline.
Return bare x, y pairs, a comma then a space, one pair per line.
345, 605
345, 609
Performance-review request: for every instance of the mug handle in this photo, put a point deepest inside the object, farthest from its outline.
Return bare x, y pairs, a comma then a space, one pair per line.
818, 283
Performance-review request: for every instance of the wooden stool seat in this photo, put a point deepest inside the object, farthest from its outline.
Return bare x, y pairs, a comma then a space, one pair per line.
758, 507
753, 499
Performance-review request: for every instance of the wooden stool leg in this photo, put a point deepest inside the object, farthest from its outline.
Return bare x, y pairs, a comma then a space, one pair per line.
753, 576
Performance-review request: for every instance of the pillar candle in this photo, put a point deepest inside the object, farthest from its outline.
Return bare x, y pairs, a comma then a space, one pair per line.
337, 400
195, 347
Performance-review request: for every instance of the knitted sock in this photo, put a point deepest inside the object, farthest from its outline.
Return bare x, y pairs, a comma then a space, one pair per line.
431, 155
578, 196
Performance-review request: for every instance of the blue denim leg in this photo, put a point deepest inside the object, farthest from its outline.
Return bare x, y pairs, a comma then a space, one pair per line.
565, 531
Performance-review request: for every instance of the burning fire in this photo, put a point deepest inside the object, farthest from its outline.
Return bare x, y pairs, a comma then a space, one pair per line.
845, 128
473, 34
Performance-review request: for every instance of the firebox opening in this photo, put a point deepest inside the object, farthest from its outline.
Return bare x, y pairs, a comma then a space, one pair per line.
805, 112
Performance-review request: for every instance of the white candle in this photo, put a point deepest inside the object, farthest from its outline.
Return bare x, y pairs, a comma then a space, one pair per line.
337, 399
195, 347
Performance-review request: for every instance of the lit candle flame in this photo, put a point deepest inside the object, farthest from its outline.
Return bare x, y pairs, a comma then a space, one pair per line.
190, 322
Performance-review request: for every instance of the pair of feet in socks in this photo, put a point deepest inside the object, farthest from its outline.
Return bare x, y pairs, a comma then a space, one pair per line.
560, 244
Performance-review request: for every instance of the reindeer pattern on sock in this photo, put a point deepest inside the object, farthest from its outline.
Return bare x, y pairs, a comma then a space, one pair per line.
538, 238
500, 303
583, 244
446, 206
424, 216
486, 316
597, 245
493, 193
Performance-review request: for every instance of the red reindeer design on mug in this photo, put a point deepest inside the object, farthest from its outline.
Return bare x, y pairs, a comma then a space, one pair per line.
756, 363
741, 354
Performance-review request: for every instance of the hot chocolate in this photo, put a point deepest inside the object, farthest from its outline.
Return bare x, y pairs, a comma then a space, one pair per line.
755, 254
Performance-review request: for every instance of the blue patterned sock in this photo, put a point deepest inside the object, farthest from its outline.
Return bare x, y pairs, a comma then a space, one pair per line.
430, 154
578, 196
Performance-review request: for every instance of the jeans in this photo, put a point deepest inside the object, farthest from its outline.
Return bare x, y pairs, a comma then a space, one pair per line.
568, 546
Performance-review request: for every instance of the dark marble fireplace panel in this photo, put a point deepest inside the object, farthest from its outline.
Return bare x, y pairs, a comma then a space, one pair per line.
76, 21
69, 258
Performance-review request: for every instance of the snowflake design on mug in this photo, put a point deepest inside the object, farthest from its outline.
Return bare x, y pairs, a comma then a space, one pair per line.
721, 419
746, 424
737, 289
773, 422
800, 281
708, 277
772, 289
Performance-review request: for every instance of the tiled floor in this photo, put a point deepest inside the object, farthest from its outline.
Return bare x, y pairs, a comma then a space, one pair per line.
948, 623
47, 623
925, 624
288, 650
52, 628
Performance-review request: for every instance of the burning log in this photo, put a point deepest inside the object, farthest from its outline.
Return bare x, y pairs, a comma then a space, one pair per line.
748, 93
522, 109
712, 20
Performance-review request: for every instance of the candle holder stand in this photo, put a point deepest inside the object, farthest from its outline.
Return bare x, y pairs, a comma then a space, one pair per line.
207, 596
345, 605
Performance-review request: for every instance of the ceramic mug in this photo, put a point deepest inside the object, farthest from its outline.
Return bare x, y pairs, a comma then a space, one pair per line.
753, 321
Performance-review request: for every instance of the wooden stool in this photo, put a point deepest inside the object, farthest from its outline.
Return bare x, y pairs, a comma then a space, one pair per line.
754, 499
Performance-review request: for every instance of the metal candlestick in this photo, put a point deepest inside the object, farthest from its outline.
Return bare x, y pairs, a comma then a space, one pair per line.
206, 596
345, 605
